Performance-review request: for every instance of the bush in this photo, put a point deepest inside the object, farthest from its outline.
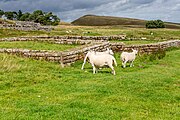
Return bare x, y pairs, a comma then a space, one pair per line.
155, 24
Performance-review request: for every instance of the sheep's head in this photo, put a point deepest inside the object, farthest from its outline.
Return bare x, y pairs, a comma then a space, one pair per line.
110, 51
135, 51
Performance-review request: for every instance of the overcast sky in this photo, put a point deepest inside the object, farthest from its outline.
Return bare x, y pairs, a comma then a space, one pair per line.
69, 10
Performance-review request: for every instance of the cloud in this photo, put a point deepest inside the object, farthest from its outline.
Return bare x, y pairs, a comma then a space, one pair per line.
69, 10
54, 5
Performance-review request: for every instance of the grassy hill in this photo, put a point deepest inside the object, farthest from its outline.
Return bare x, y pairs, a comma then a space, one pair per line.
93, 20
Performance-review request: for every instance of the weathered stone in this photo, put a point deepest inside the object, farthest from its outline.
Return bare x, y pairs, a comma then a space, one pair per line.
26, 26
69, 57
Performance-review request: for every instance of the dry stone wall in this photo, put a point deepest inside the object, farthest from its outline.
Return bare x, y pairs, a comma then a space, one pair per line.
69, 38
106, 38
146, 48
56, 39
64, 58
68, 57
25, 26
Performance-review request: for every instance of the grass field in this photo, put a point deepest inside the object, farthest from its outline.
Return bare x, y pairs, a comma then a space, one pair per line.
4, 33
32, 45
31, 89
138, 33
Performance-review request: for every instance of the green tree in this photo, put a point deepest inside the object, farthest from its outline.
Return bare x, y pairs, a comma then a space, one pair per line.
160, 24
19, 14
44, 18
1, 13
55, 20
155, 24
25, 17
36, 15
50, 19
10, 15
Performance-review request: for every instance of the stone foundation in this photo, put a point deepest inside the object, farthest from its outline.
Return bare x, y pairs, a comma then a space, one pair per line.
149, 48
66, 38
64, 58
25, 26
69, 57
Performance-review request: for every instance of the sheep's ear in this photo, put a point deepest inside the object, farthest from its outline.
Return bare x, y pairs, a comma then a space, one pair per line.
108, 49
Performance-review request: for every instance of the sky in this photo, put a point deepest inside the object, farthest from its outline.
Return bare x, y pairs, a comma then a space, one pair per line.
69, 10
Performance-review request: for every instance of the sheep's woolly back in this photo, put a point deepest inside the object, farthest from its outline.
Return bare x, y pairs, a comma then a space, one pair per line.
128, 56
108, 51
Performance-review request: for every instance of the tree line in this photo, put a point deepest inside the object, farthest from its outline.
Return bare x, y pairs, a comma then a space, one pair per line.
38, 16
155, 24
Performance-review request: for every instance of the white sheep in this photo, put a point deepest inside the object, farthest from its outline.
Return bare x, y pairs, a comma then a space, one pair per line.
128, 57
108, 51
101, 60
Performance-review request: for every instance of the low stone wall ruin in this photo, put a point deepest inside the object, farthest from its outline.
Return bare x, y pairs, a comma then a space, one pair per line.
68, 57
25, 26
146, 48
54, 39
64, 58
105, 38
84, 39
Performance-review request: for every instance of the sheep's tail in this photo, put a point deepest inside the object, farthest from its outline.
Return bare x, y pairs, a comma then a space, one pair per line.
114, 60
84, 61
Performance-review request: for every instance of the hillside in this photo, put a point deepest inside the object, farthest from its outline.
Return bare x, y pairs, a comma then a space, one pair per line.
93, 20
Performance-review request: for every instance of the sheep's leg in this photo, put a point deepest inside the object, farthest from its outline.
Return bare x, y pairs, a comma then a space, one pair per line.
112, 68
83, 66
84, 61
131, 65
124, 64
94, 69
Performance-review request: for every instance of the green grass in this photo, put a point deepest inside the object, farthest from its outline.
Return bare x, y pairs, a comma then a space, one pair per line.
17, 33
31, 89
32, 45
131, 33
138, 33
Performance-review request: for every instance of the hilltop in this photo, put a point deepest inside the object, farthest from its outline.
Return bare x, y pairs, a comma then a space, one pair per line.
94, 20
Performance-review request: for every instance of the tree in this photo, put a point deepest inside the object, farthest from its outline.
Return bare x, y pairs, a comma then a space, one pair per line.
44, 18
38, 16
35, 15
1, 13
25, 17
155, 24
160, 24
19, 15
51, 19
55, 20
10, 15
